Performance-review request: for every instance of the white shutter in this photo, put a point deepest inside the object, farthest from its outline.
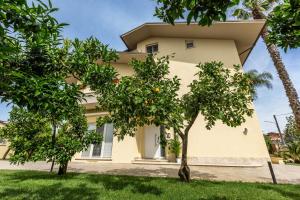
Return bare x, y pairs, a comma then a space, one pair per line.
107, 141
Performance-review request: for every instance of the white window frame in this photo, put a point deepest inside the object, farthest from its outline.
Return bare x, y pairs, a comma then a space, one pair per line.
92, 146
148, 45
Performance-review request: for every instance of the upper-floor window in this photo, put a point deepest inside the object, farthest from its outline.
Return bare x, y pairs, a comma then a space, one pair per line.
189, 44
152, 48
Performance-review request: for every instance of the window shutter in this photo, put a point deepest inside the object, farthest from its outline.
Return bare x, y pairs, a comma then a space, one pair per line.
107, 141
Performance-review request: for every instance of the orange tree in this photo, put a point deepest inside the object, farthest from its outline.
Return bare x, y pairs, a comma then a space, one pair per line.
30, 137
150, 96
34, 64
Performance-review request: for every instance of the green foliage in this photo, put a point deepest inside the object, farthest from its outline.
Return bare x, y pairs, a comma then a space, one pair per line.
293, 152
283, 20
284, 23
34, 65
204, 12
259, 80
218, 93
17, 18
34, 75
150, 96
268, 143
291, 133
73, 137
245, 9
82, 55
30, 136
175, 146
147, 97
292, 139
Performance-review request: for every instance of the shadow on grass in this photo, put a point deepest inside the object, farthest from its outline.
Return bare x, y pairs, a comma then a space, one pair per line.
54, 191
141, 185
284, 192
75, 186
72, 186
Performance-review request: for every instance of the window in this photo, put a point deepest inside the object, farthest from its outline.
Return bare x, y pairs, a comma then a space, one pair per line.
189, 44
152, 48
104, 149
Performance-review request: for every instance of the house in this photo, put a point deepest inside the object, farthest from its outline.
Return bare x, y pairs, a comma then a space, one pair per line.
3, 143
229, 42
276, 140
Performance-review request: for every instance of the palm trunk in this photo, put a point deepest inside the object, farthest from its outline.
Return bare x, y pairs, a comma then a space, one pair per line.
290, 90
184, 171
62, 170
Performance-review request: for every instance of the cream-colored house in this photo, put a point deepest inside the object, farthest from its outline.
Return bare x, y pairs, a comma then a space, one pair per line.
230, 42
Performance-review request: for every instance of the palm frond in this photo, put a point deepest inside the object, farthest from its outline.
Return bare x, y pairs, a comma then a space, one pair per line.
267, 5
260, 80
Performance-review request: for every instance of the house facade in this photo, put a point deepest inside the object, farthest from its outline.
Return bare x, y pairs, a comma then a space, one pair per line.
229, 42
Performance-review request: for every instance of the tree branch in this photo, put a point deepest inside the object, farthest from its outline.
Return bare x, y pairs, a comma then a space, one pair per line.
189, 126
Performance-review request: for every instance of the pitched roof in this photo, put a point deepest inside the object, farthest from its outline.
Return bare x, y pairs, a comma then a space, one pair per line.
244, 32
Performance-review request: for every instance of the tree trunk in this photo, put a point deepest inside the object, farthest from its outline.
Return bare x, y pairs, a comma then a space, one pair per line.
290, 90
53, 144
184, 171
62, 170
5, 154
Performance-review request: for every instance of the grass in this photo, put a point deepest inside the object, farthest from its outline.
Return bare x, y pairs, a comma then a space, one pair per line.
295, 164
74, 186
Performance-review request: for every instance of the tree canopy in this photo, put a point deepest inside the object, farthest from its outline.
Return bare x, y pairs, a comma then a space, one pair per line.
30, 137
284, 23
204, 12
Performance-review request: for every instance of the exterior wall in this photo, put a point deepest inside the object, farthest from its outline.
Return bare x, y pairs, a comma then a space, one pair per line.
220, 145
123, 151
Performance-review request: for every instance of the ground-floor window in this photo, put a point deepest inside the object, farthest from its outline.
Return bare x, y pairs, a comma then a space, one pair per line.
104, 149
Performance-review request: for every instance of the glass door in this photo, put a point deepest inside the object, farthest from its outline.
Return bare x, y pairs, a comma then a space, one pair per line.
104, 149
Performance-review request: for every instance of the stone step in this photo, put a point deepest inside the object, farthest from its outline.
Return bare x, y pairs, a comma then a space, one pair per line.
152, 161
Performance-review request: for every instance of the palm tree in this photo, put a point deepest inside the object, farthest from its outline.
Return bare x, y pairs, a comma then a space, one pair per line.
293, 152
259, 9
260, 80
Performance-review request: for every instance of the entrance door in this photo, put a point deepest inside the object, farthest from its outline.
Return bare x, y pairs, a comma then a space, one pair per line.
152, 142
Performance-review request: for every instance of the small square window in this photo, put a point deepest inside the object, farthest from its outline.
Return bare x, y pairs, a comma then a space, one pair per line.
152, 48
189, 44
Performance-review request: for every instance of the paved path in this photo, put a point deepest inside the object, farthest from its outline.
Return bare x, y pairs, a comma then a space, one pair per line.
284, 173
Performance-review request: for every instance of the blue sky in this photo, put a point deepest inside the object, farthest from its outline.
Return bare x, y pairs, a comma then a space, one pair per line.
107, 20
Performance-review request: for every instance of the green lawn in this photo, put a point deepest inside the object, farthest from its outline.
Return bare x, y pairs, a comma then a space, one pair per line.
74, 186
